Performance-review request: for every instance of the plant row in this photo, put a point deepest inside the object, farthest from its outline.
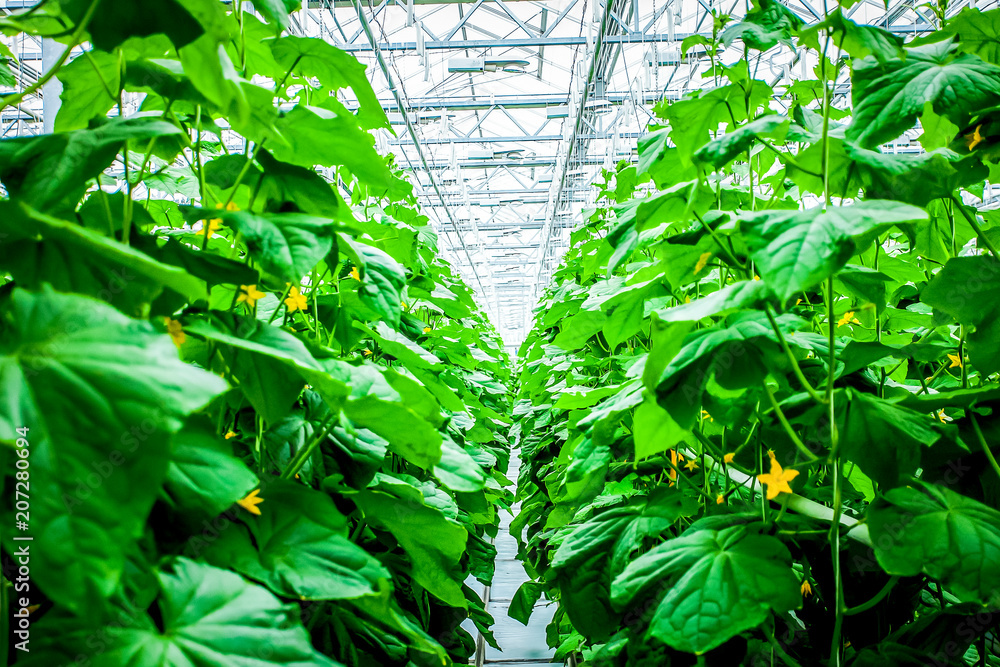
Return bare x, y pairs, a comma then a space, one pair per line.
248, 415
756, 409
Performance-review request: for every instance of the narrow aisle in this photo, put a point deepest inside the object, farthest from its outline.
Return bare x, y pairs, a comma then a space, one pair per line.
522, 646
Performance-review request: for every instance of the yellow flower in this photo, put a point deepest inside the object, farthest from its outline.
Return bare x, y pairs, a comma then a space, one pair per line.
174, 328
356, 274
721, 499
728, 458
230, 435
942, 417
295, 301
974, 139
251, 501
955, 361
673, 472
687, 299
704, 414
756, 277
210, 227
427, 329
798, 301
249, 294
403, 304
691, 465
366, 352
848, 318
777, 480
702, 261
806, 589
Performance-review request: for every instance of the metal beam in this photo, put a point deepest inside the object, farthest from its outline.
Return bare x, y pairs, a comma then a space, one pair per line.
536, 42
513, 139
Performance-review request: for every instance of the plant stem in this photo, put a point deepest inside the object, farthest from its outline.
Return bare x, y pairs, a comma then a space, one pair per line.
303, 454
787, 426
865, 606
785, 658
984, 444
791, 358
980, 236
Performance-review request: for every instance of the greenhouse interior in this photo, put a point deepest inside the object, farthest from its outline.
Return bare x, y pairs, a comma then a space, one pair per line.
416, 333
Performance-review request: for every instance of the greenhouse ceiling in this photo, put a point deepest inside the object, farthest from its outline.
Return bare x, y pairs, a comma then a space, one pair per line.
507, 111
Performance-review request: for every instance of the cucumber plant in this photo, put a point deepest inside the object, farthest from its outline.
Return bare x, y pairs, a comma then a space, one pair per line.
259, 419
756, 407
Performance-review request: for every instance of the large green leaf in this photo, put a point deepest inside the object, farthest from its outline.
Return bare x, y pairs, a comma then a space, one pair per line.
727, 147
298, 547
382, 279
286, 246
888, 97
90, 88
795, 250
335, 69
314, 135
857, 40
376, 405
433, 543
206, 617
883, 439
304, 188
101, 395
204, 477
714, 585
978, 32
932, 530
76, 258
967, 289
50, 172
768, 23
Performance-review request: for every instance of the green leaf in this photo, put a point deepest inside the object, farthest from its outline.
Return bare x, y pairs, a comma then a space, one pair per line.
692, 119
335, 69
256, 350
433, 543
929, 529
298, 547
204, 477
655, 430
50, 172
303, 187
714, 584
889, 96
214, 75
523, 603
883, 439
722, 150
967, 289
286, 246
376, 404
768, 23
382, 279
277, 11
978, 32
90, 88
574, 332
118, 20
314, 135
857, 40
101, 394
744, 294
73, 257
914, 178
796, 250
209, 617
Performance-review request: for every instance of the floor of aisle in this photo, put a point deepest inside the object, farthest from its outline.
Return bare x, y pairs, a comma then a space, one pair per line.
523, 646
